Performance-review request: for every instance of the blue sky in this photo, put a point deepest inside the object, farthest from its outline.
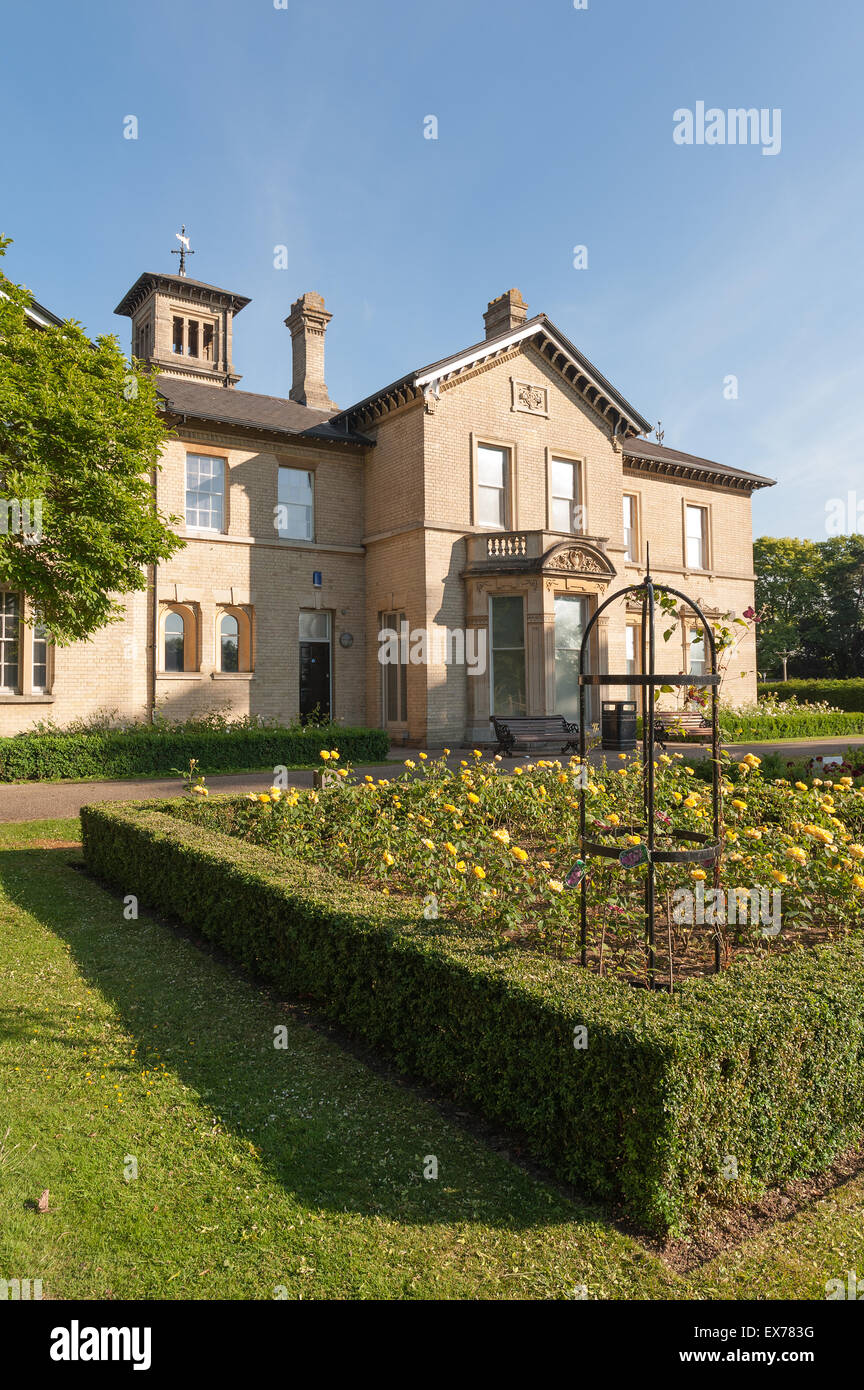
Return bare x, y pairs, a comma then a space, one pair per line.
303, 127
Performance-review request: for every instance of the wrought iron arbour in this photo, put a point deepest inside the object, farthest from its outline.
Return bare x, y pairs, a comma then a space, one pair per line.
705, 849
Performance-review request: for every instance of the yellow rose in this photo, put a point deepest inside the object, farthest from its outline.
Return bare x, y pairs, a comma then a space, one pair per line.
555, 885
473, 798
698, 874
740, 805
325, 755
387, 858
519, 854
477, 871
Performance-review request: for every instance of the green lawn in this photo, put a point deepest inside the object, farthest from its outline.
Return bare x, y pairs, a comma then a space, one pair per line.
260, 1167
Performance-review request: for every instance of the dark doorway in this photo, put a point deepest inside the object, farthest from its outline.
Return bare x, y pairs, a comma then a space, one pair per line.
314, 665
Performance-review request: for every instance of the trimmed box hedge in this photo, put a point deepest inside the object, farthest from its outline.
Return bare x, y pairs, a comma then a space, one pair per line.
761, 1065
748, 728
146, 750
846, 695
762, 728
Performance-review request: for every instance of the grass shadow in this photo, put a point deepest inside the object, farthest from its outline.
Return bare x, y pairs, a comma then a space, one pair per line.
328, 1121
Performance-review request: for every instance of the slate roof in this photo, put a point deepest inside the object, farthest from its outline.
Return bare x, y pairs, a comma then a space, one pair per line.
646, 449
228, 406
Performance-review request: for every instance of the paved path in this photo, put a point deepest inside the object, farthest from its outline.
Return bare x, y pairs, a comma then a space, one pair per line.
49, 800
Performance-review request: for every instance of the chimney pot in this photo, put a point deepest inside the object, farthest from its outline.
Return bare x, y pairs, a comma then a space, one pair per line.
506, 312
307, 323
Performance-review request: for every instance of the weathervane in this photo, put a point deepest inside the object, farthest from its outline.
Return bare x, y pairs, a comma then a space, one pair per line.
659, 433
185, 249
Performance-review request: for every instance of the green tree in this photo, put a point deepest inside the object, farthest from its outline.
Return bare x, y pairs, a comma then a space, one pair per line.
80, 439
840, 633
789, 588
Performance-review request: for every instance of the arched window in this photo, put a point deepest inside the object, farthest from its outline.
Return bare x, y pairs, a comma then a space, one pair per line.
229, 643
175, 641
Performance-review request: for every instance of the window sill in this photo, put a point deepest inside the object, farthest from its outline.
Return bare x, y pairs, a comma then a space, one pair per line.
232, 675
9, 699
178, 675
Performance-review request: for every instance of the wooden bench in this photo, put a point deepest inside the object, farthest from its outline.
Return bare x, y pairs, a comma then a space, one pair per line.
690, 722
534, 731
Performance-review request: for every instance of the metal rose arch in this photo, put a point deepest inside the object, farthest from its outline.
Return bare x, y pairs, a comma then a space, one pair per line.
703, 849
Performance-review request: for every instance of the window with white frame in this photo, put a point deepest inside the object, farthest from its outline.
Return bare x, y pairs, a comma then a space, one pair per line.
507, 683
40, 658
492, 465
175, 642
10, 636
566, 508
295, 515
631, 527
631, 660
205, 492
698, 664
393, 630
229, 643
696, 534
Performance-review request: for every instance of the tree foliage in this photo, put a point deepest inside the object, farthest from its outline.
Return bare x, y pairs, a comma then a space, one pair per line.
80, 439
811, 595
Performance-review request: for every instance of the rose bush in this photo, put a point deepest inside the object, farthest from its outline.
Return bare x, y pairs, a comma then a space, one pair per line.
496, 849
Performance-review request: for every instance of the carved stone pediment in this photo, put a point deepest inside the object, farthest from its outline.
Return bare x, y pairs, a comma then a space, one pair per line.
578, 558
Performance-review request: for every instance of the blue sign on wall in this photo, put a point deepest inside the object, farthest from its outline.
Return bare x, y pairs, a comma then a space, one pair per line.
316, 579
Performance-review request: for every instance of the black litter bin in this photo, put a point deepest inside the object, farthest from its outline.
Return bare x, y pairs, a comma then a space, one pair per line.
618, 726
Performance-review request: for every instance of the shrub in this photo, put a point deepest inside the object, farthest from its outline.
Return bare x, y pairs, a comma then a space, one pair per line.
145, 749
846, 695
498, 849
748, 728
703, 1097
739, 727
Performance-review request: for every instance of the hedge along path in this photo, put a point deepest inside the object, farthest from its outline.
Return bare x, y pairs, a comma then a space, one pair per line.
260, 1170
150, 750
662, 1104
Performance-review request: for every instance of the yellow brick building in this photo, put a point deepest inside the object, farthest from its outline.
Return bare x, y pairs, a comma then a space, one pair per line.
476, 511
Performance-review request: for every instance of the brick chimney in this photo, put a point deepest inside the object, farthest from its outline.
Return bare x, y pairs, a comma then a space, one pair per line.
308, 322
506, 312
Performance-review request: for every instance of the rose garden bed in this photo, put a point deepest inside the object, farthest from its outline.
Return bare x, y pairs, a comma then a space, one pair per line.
662, 1103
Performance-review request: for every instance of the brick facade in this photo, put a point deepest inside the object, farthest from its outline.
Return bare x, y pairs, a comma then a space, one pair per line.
396, 530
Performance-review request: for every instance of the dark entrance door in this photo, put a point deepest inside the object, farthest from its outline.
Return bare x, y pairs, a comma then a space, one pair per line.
314, 678
314, 664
